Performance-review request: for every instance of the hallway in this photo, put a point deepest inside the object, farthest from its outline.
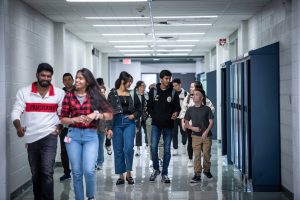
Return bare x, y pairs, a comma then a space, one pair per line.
226, 183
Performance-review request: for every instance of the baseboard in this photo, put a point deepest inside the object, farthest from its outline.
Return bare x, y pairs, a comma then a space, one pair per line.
21, 190
287, 193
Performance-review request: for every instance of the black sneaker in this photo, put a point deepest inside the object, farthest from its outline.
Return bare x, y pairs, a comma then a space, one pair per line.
64, 177
195, 179
165, 179
154, 174
207, 174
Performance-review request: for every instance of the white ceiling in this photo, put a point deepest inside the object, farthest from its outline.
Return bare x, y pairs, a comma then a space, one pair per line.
230, 14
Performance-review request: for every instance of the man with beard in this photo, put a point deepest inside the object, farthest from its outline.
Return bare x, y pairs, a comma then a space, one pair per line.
39, 104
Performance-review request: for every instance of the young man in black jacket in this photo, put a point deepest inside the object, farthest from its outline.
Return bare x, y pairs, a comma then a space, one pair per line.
164, 107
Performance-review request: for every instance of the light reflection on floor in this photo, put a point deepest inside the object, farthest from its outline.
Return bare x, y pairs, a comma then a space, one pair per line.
226, 183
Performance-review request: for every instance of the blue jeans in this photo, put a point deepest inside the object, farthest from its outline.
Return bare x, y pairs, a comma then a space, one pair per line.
41, 157
167, 137
83, 152
101, 137
123, 143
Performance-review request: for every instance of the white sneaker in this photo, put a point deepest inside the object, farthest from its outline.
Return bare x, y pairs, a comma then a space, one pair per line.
150, 163
190, 163
175, 152
138, 151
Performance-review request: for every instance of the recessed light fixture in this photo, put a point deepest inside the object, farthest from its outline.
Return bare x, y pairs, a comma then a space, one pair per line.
171, 24
117, 18
176, 45
156, 59
187, 40
155, 17
136, 50
132, 46
179, 33
106, 0
123, 34
184, 17
121, 25
130, 41
172, 54
174, 50
138, 54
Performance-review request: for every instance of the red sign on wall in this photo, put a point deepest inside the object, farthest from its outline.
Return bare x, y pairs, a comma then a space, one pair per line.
126, 61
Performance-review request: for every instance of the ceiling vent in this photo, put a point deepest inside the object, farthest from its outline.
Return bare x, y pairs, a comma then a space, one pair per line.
167, 37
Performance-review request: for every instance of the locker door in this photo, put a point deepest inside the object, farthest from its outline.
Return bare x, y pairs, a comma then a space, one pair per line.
223, 111
246, 119
236, 124
241, 117
228, 113
232, 105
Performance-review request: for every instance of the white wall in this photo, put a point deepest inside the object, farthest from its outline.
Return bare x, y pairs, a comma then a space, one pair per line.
134, 69
270, 25
173, 67
295, 97
3, 133
75, 53
30, 41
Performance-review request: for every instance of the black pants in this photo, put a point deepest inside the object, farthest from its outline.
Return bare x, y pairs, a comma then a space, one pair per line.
177, 123
107, 142
189, 146
138, 139
41, 157
63, 152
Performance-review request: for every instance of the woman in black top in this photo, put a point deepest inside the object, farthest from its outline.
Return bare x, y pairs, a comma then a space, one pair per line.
126, 111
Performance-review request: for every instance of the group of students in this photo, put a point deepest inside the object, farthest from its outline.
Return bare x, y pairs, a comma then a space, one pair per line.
88, 116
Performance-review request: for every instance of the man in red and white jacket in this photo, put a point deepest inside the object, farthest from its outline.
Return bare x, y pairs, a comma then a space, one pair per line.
39, 105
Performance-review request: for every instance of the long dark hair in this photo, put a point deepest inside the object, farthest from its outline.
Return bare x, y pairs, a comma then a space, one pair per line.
198, 86
125, 76
93, 89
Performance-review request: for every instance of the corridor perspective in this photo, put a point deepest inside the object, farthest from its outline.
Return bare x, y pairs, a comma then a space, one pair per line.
149, 99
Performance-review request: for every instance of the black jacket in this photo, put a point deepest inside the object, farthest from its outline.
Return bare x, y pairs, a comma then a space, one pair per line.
162, 106
134, 106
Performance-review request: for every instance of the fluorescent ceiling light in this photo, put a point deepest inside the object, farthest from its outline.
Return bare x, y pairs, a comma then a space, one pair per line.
137, 50
139, 54
187, 40
182, 24
176, 45
123, 34
121, 25
156, 59
172, 54
130, 41
106, 0
174, 50
134, 46
184, 17
145, 41
116, 18
179, 33
144, 34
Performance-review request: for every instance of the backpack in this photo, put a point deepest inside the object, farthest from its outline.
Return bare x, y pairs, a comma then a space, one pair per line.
185, 93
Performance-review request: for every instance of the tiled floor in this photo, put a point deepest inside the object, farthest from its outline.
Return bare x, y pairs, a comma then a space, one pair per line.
226, 183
